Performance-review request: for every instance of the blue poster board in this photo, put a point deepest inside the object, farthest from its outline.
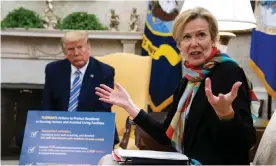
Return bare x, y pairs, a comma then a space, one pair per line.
58, 137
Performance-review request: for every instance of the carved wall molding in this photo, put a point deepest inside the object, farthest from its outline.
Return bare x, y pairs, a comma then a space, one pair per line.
38, 50
108, 35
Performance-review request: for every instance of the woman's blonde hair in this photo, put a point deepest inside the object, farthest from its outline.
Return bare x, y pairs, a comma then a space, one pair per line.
188, 15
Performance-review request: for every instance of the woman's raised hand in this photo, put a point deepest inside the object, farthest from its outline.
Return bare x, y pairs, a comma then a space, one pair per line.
118, 97
222, 103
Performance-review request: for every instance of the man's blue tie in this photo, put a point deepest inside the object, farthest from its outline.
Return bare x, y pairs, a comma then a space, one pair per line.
75, 92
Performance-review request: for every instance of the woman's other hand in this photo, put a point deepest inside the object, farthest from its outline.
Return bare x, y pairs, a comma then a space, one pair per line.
222, 103
118, 97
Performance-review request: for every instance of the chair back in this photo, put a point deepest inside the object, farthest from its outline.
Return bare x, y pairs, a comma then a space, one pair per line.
133, 73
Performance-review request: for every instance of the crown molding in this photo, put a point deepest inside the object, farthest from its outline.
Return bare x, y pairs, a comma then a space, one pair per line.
110, 35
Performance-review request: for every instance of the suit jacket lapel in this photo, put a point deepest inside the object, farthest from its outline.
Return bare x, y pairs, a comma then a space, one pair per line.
88, 82
66, 83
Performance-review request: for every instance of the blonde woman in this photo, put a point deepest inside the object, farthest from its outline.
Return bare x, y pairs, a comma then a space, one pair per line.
210, 119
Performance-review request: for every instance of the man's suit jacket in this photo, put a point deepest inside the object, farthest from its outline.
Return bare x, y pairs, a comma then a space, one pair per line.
57, 87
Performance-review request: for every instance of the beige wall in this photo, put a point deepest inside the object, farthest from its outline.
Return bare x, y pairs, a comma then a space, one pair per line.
239, 49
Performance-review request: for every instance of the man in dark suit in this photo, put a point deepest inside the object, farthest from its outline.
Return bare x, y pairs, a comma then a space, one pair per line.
70, 83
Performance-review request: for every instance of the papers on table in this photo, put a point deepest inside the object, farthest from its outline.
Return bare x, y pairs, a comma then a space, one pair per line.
124, 156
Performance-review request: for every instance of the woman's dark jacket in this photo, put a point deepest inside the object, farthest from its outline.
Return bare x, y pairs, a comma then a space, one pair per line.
207, 138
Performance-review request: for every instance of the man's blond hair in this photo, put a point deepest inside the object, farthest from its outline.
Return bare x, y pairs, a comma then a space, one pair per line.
75, 35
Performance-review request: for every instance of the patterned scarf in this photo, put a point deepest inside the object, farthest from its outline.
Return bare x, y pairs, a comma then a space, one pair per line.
195, 75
